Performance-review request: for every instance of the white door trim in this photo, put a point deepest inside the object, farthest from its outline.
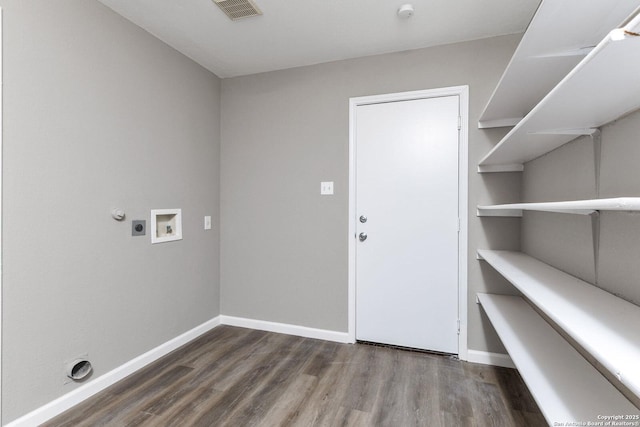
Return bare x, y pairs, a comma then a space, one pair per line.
463, 195
1, 301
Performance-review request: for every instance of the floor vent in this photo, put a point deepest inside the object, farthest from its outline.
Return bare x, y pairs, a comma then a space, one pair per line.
238, 9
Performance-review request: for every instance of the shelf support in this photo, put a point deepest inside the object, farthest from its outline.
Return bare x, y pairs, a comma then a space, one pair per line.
512, 213
583, 51
596, 138
595, 233
576, 132
498, 123
515, 167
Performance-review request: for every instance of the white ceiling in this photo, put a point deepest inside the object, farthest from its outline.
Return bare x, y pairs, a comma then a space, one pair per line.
294, 33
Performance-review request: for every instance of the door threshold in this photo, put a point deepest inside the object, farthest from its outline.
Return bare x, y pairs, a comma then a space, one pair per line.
412, 349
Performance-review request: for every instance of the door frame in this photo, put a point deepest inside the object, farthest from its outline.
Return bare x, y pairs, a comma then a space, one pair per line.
1, 213
463, 196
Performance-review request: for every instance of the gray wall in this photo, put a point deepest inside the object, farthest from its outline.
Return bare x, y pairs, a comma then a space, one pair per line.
97, 114
565, 241
284, 247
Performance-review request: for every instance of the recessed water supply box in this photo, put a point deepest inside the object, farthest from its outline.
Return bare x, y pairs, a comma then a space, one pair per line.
166, 225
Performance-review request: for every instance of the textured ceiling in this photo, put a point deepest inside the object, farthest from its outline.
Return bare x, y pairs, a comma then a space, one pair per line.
304, 32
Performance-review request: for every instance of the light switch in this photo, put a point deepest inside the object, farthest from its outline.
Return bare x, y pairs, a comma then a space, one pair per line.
207, 222
326, 188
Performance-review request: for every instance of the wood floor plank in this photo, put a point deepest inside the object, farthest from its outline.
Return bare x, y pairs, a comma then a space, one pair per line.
488, 406
84, 412
209, 373
185, 412
513, 386
235, 396
130, 404
363, 388
347, 417
410, 395
323, 404
323, 358
265, 394
458, 420
483, 373
262, 353
387, 388
180, 407
239, 377
528, 419
214, 345
455, 389
286, 408
140, 419
121, 404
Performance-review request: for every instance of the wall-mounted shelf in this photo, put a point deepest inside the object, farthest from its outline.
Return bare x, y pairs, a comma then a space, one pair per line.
604, 325
548, 51
600, 89
561, 381
578, 207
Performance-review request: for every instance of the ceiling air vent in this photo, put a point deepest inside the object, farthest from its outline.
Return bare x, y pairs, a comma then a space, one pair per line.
238, 9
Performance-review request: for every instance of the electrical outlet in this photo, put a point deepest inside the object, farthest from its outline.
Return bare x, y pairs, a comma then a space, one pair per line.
138, 227
207, 222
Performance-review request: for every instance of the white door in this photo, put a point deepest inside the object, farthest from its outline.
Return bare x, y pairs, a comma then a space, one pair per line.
407, 223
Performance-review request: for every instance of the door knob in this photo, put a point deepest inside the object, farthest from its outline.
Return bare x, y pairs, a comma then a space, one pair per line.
362, 237
363, 219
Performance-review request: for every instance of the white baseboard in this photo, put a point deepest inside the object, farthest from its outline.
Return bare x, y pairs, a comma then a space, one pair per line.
486, 358
61, 404
284, 328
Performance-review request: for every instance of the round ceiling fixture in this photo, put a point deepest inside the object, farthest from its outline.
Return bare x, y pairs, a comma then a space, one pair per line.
405, 11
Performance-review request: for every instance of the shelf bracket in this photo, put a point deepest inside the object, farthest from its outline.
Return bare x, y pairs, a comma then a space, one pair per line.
515, 167
595, 233
576, 132
596, 138
582, 51
498, 123
513, 213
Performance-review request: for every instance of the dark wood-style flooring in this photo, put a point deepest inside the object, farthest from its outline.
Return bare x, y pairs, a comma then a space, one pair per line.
241, 377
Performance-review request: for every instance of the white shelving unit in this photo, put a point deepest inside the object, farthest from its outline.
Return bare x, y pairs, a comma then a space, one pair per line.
576, 345
578, 207
604, 325
601, 88
548, 51
561, 381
